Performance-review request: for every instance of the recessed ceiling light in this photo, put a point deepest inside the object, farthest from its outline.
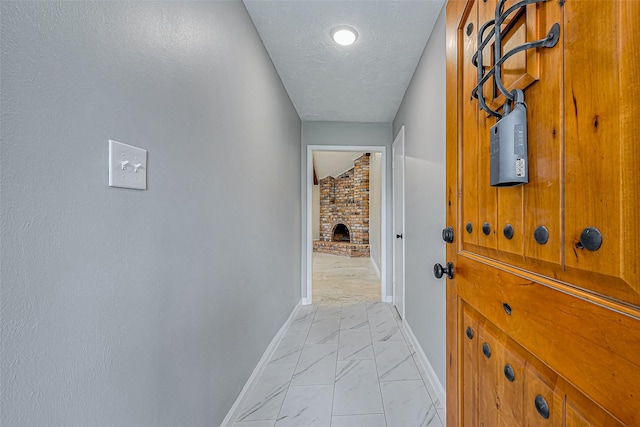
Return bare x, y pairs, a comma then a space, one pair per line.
344, 35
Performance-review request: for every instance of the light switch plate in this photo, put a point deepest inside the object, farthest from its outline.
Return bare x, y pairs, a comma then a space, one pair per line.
127, 166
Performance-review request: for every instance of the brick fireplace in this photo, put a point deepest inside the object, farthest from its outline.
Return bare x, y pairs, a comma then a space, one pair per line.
344, 212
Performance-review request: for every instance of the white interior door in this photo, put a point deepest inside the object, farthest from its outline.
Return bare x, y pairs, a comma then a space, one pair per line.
398, 222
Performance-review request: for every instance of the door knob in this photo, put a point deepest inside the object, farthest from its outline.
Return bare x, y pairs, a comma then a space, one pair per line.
447, 234
439, 271
398, 236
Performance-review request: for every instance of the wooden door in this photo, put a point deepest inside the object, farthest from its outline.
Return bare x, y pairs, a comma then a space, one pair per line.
545, 331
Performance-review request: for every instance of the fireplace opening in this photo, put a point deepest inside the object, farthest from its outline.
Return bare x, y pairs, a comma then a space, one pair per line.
341, 234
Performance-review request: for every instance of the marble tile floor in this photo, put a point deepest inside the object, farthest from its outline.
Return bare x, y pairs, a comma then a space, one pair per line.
343, 279
343, 365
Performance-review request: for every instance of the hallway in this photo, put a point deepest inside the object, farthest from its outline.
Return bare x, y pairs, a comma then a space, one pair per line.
342, 365
341, 279
136, 307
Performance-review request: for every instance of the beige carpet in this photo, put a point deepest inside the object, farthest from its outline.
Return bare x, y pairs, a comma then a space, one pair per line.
344, 279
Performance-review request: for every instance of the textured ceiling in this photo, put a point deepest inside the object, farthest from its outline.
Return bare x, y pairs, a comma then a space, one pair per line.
333, 163
364, 82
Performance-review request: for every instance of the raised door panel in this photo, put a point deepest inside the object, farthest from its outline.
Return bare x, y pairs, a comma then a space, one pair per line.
486, 210
629, 42
602, 170
487, 196
511, 380
488, 400
518, 72
543, 403
521, 70
542, 195
469, 368
581, 412
469, 116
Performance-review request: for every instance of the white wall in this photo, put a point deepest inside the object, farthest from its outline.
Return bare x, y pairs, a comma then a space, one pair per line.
375, 193
141, 308
344, 134
422, 112
316, 213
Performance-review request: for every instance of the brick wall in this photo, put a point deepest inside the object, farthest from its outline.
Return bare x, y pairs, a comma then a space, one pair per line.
345, 200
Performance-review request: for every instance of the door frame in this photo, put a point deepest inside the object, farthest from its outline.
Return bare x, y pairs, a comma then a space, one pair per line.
400, 139
307, 285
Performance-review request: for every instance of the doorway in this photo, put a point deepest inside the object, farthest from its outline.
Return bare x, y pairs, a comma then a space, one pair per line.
342, 247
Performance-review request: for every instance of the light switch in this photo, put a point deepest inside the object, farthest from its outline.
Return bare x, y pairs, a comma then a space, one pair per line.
127, 166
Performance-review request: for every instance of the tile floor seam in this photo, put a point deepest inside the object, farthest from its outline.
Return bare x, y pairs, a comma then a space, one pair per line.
333, 396
294, 368
375, 361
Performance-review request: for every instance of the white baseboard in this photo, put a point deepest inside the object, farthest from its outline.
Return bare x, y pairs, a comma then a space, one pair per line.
262, 364
387, 299
306, 301
426, 365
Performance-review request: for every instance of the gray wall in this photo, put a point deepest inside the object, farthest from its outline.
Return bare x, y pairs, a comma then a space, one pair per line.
422, 112
141, 308
345, 134
375, 194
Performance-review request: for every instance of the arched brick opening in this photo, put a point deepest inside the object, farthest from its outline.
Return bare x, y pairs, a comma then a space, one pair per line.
341, 233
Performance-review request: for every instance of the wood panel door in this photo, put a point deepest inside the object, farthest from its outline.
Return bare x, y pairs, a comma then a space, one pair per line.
560, 319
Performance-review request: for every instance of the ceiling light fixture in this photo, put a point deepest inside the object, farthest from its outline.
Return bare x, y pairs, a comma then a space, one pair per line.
344, 35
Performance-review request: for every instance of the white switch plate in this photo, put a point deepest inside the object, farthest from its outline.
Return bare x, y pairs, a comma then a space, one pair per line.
127, 166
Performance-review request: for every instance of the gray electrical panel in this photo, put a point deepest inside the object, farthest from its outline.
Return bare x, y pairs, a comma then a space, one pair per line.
508, 145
